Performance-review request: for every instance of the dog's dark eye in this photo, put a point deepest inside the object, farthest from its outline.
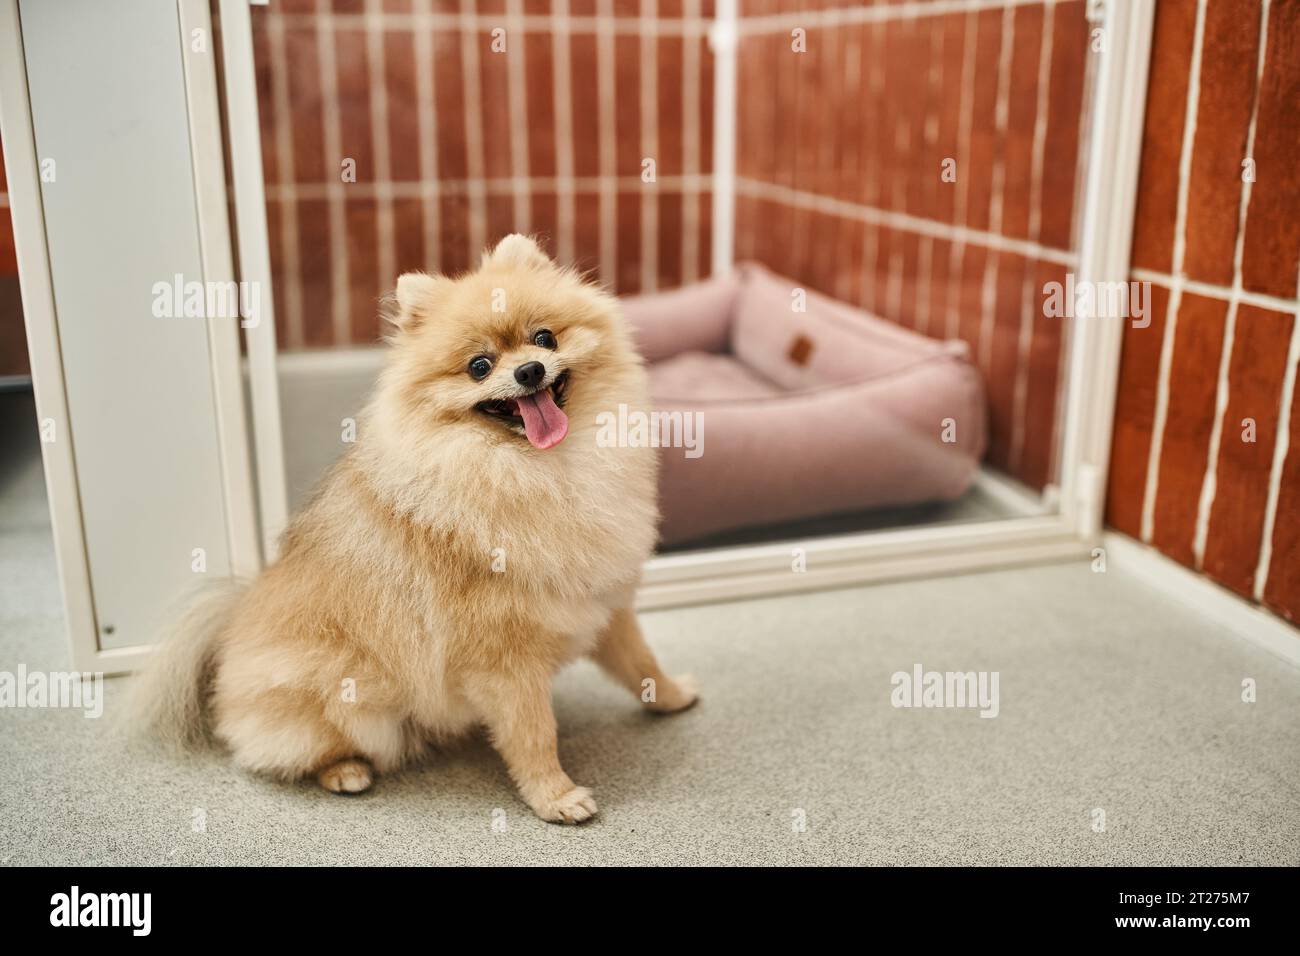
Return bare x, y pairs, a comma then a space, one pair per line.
545, 339
480, 366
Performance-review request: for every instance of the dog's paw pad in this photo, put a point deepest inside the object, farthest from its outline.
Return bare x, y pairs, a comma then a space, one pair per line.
346, 776
576, 806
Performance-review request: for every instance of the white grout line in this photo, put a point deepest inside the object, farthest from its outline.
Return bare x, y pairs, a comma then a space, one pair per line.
924, 272
726, 70
649, 144
517, 102
1176, 294
684, 26
870, 235
989, 293
1075, 241
881, 13
929, 138
1281, 447
1209, 476
894, 287
386, 252
851, 82
630, 25
832, 58
496, 186
897, 200
902, 222
1209, 485
1222, 292
1161, 414
288, 238
427, 131
957, 251
608, 135
623, 25
691, 78
1028, 308
734, 66
801, 228
340, 293
562, 71
831, 69
472, 105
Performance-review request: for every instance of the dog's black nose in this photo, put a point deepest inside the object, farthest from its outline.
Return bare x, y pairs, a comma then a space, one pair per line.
530, 374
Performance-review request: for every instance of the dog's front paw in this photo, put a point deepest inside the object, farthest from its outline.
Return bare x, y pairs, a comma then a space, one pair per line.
675, 694
574, 806
346, 776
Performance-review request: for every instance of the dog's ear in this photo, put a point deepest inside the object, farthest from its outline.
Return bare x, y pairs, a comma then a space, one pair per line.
410, 302
517, 250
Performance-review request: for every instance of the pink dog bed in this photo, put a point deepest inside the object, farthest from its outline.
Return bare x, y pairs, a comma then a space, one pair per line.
805, 414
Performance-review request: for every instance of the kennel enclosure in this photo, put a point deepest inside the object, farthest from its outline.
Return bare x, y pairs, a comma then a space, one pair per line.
144, 483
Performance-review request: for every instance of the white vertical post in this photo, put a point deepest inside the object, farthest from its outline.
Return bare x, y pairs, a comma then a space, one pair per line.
203, 106
723, 41
1109, 200
43, 344
245, 140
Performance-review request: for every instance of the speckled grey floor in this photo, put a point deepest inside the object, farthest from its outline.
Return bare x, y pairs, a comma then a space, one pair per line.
1112, 697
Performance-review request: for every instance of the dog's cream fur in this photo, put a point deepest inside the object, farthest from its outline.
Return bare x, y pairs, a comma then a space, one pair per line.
445, 568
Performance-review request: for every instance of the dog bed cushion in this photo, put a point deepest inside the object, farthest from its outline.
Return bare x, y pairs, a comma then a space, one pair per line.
804, 413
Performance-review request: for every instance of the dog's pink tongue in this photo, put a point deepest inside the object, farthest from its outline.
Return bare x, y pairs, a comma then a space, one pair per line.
544, 423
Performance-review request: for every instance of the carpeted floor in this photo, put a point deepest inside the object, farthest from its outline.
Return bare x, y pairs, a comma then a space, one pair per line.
1112, 698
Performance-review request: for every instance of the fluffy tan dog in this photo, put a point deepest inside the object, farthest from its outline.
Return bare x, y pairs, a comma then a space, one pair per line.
473, 541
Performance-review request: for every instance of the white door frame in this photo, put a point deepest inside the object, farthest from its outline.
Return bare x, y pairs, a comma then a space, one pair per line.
23, 173
249, 196
1108, 198
48, 381
216, 242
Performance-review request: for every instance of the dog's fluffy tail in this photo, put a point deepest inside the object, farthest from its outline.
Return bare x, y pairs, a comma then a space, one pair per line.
169, 700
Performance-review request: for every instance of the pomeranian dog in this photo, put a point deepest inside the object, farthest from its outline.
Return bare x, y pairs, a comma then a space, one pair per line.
474, 540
